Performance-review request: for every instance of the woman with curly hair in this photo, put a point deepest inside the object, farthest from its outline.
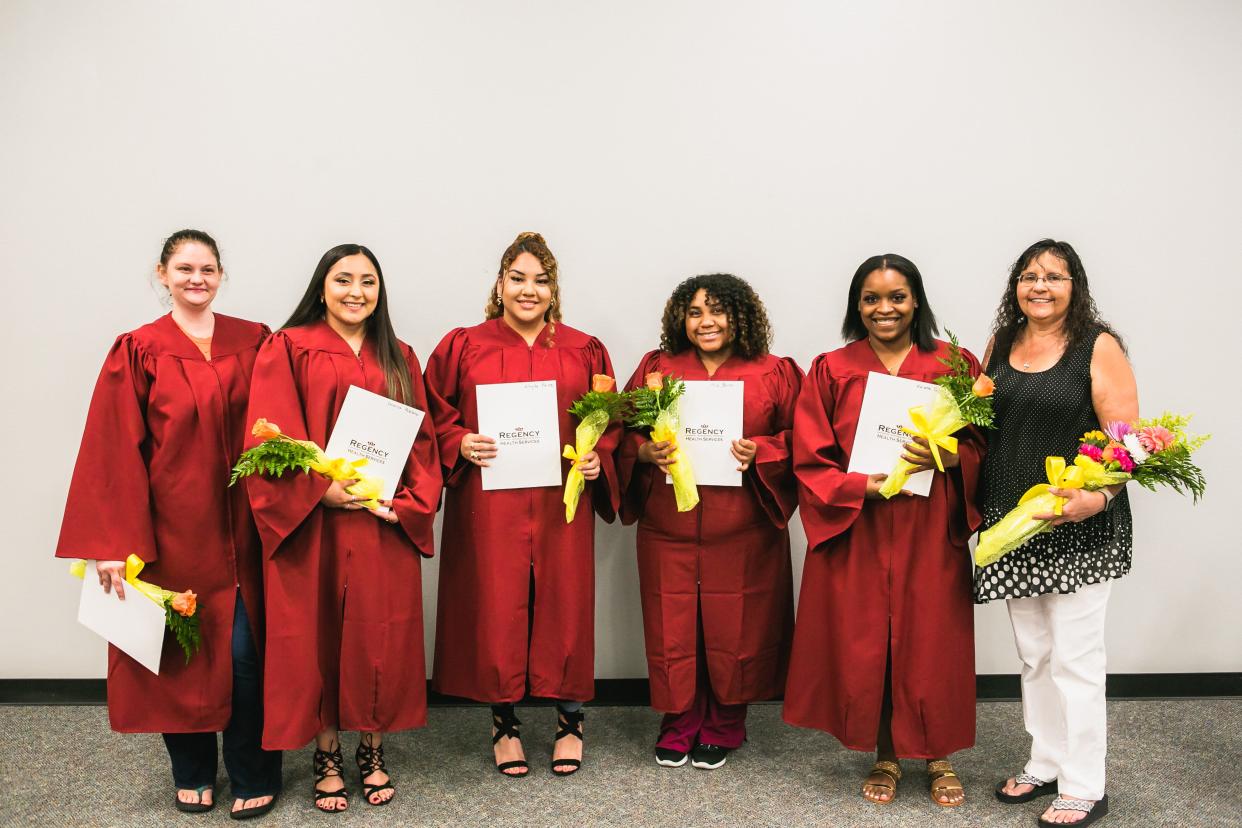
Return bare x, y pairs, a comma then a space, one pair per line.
716, 582
1060, 371
517, 583
883, 653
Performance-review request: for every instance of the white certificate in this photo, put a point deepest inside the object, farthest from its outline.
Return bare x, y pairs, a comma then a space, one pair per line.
879, 439
379, 429
711, 419
135, 626
522, 417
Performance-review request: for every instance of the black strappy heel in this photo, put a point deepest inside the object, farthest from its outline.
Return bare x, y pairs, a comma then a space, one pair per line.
329, 763
570, 726
370, 759
506, 723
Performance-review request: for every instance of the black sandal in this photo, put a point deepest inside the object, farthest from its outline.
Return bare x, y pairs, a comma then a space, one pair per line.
1039, 788
567, 724
195, 807
330, 763
255, 811
506, 723
370, 759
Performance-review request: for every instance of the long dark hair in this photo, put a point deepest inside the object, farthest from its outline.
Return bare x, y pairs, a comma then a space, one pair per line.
923, 327
1083, 318
748, 319
379, 323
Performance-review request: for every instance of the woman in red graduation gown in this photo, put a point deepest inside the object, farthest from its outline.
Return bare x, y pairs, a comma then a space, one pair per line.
717, 588
883, 654
517, 584
344, 587
165, 422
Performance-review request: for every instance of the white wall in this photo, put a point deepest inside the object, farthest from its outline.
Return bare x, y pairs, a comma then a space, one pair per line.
648, 141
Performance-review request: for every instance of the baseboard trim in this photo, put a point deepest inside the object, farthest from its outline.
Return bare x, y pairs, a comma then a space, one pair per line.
635, 692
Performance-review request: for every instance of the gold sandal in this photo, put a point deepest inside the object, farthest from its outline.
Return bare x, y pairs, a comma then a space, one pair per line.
890, 769
944, 782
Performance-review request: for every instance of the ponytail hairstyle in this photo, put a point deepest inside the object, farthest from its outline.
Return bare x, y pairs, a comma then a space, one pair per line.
173, 242
534, 244
378, 324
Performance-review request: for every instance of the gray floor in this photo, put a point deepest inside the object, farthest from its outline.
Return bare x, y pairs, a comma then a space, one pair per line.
1173, 762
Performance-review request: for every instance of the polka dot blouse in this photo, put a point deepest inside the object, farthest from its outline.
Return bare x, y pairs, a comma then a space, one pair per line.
1041, 414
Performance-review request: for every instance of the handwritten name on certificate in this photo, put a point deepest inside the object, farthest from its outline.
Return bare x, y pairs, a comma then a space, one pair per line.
522, 417
711, 419
381, 430
878, 439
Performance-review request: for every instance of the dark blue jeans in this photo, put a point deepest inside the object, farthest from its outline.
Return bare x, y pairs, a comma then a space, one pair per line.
253, 771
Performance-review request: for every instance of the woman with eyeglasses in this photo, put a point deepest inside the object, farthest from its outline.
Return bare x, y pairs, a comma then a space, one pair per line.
1060, 370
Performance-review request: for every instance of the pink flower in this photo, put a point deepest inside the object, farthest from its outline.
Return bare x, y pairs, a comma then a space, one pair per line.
1117, 430
1122, 458
1156, 438
1094, 452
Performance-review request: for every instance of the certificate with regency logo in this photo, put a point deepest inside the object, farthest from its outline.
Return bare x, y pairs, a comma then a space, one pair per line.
878, 439
379, 429
711, 419
523, 419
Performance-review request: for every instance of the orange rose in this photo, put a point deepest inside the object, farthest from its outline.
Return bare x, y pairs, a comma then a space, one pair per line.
654, 380
983, 386
185, 603
603, 383
265, 430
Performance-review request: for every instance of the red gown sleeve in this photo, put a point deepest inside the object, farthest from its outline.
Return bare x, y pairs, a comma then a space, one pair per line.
606, 489
771, 477
963, 481
829, 497
418, 496
634, 478
279, 504
443, 392
108, 511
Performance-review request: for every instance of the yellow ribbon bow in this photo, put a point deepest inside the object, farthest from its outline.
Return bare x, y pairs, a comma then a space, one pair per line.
1059, 477
935, 439
133, 566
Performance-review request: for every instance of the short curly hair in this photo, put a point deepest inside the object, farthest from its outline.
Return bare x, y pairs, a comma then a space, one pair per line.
748, 318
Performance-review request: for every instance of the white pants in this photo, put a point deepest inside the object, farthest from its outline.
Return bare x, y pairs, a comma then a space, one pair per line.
1060, 639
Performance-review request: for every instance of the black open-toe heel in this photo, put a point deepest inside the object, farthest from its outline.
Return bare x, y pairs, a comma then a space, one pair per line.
567, 724
329, 763
370, 759
506, 723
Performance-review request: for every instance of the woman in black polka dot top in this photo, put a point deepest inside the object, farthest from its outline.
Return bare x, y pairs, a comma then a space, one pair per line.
1060, 371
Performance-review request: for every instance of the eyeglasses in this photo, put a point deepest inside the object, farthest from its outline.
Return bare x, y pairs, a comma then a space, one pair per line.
1052, 280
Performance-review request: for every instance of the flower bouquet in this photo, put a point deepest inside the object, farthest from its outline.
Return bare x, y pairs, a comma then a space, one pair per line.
278, 453
595, 410
656, 406
1155, 452
180, 608
962, 400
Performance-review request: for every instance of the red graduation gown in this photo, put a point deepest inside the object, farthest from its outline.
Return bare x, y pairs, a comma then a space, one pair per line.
162, 432
490, 643
881, 575
344, 588
728, 558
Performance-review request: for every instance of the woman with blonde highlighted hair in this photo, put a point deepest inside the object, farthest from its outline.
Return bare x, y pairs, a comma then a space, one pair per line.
517, 583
